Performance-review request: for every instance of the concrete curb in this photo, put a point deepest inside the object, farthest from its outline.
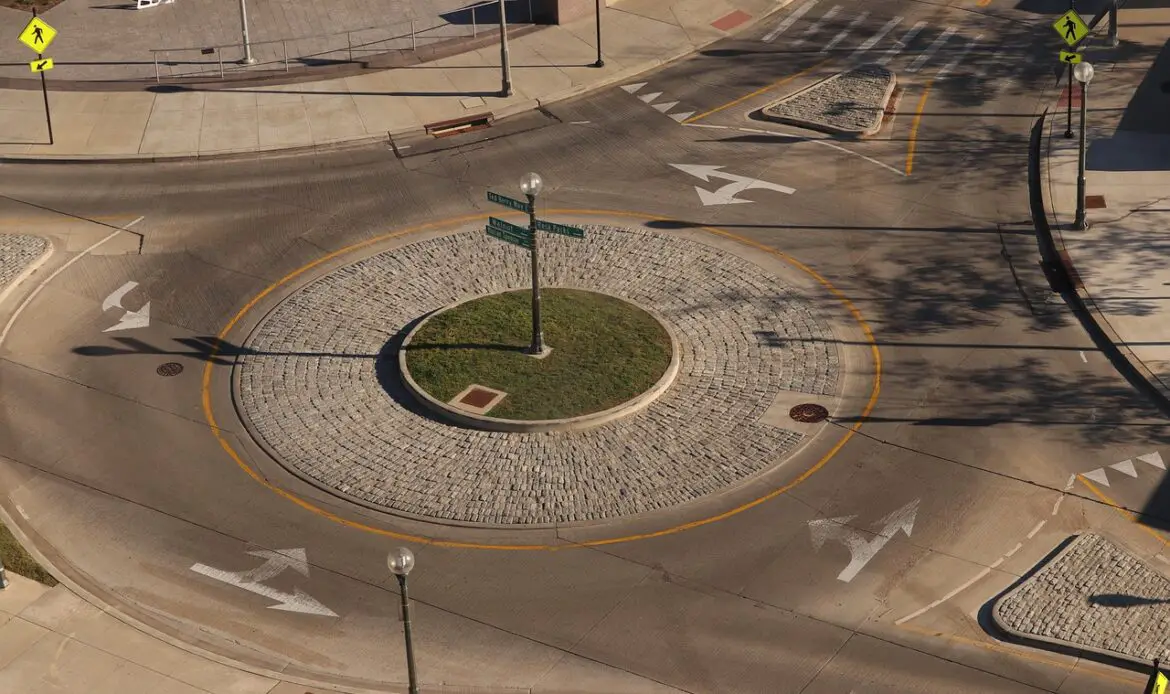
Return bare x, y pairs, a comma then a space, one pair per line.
1047, 641
522, 107
28, 269
581, 423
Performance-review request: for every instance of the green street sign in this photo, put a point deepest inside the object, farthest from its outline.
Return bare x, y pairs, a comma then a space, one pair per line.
508, 226
507, 236
560, 229
508, 202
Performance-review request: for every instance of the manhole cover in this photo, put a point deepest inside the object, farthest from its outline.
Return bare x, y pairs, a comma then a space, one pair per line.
171, 368
808, 413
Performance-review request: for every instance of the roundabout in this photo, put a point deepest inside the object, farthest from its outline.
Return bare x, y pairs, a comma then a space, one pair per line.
318, 384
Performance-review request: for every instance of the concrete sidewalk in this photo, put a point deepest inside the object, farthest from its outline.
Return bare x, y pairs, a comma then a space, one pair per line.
547, 65
1119, 264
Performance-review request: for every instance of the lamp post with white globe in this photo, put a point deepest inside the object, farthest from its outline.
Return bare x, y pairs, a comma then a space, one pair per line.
401, 561
1083, 72
531, 185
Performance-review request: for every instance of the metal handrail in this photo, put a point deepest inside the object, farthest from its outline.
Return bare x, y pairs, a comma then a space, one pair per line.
349, 47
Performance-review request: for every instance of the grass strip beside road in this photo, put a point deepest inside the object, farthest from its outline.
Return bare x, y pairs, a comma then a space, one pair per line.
605, 351
18, 561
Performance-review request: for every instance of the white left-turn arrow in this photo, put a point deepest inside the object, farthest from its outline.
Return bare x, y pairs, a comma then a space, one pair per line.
275, 562
725, 195
130, 319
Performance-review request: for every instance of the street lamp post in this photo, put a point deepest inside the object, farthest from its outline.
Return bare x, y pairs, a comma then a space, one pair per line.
531, 185
506, 88
248, 59
1084, 74
599, 62
401, 561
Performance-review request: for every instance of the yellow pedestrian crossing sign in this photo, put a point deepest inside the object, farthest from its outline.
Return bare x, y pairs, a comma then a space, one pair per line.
41, 65
1070, 57
1157, 683
37, 35
1071, 27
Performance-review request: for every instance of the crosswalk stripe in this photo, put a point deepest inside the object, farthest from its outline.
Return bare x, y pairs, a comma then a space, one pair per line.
789, 20
929, 52
817, 25
901, 43
873, 40
845, 32
958, 58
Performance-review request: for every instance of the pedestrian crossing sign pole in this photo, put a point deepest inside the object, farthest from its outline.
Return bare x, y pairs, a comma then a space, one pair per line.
1072, 30
1158, 682
37, 35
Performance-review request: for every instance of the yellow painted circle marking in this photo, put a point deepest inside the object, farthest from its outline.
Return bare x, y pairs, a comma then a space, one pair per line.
309, 506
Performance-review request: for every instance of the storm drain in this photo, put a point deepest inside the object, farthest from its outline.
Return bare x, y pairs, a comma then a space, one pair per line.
455, 126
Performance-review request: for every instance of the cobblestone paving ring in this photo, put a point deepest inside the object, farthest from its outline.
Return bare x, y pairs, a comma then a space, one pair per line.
318, 384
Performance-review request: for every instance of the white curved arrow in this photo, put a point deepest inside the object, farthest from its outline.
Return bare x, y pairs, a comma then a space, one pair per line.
861, 546
130, 319
725, 195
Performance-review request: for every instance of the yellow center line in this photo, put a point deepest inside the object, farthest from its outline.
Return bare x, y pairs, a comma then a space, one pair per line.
914, 127
983, 3
745, 97
1130, 515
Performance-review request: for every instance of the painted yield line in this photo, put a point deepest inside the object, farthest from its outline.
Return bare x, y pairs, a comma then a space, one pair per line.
931, 49
828, 16
901, 44
873, 40
757, 92
789, 21
845, 32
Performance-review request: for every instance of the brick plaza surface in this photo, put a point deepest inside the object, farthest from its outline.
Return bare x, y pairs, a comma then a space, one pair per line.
1095, 595
17, 252
313, 389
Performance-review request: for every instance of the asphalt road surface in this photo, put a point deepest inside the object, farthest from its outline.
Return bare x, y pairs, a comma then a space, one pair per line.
991, 395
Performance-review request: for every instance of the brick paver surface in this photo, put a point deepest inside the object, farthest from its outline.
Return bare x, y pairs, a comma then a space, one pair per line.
109, 40
1094, 595
316, 394
17, 252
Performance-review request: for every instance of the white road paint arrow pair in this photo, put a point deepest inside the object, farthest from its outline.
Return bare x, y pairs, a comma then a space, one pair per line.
275, 562
861, 546
130, 319
726, 194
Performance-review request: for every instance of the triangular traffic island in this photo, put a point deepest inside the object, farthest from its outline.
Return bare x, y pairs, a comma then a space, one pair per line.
851, 103
1095, 597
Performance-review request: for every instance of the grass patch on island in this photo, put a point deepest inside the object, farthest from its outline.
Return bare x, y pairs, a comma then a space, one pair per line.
605, 351
18, 561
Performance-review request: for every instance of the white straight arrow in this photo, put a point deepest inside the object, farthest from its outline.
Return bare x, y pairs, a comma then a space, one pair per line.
725, 195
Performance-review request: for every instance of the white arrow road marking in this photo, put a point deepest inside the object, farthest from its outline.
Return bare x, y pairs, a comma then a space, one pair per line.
130, 319
861, 547
1154, 459
275, 562
1125, 466
726, 194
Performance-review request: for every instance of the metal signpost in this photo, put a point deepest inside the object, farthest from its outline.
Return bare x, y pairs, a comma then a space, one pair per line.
528, 238
37, 35
1072, 30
